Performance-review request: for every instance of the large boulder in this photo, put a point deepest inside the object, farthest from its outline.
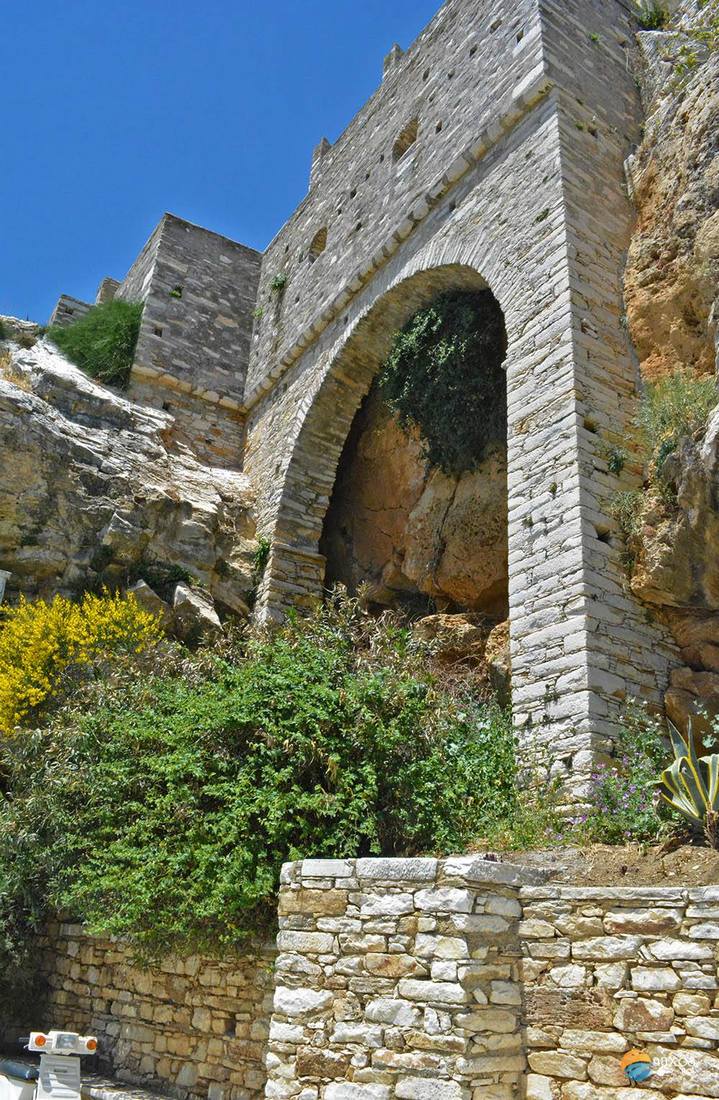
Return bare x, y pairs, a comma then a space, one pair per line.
471, 644
194, 614
91, 491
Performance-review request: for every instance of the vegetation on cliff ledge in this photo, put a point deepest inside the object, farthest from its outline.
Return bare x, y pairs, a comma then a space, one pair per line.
444, 377
102, 343
161, 800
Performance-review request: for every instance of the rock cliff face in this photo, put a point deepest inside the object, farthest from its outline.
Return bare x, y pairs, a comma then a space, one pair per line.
671, 287
405, 529
672, 299
90, 491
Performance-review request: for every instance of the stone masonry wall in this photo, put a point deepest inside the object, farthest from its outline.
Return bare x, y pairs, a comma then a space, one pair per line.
190, 1027
529, 202
606, 970
68, 310
421, 979
445, 980
397, 978
199, 290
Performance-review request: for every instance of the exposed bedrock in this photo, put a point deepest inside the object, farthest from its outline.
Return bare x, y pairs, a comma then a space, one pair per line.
672, 302
671, 282
410, 532
677, 569
90, 491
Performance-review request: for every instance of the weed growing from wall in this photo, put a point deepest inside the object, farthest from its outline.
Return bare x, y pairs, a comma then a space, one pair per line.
444, 376
102, 343
652, 16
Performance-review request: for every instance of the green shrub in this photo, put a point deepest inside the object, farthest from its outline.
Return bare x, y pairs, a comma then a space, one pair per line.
625, 803
701, 42
163, 808
444, 377
3, 330
102, 343
652, 16
672, 409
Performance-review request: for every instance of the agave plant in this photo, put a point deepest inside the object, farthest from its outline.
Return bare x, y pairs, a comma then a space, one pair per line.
691, 784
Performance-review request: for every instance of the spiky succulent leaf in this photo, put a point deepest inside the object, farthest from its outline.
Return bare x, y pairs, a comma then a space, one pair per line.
691, 784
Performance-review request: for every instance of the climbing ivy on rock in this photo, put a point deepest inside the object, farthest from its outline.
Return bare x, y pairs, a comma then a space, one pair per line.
444, 377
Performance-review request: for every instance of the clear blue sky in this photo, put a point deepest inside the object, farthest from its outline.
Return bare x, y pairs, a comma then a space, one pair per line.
114, 113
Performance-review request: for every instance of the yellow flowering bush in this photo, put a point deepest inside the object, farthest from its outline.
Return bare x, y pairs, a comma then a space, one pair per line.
40, 643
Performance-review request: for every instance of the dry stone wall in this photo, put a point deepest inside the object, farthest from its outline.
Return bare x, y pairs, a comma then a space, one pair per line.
397, 978
456, 978
606, 970
418, 979
193, 1027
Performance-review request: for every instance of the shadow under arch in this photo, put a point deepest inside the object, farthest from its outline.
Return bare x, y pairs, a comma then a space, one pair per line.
295, 569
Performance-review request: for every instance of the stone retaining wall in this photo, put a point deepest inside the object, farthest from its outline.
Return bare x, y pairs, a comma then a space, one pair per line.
429, 980
191, 1027
420, 979
605, 970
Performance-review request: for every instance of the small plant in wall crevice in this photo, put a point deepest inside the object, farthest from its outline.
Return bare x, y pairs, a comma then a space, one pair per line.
279, 282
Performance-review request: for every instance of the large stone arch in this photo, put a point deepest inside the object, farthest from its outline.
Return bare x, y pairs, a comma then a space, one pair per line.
312, 468
579, 644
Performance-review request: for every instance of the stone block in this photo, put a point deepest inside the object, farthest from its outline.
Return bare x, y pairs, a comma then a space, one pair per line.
691, 1004
393, 966
674, 950
347, 1090
301, 1003
313, 1062
327, 868
541, 1088
445, 899
398, 870
433, 992
655, 979
310, 943
556, 1064
421, 1088
644, 922
441, 947
607, 947
317, 903
391, 1010
383, 904
643, 1014
594, 1042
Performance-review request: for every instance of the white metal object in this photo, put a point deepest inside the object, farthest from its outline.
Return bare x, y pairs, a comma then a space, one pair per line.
64, 1043
59, 1070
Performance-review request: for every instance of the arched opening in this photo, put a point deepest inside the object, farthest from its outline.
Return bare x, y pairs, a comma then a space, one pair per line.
418, 514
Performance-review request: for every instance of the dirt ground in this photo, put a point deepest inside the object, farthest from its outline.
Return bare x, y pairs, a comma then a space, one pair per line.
634, 864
